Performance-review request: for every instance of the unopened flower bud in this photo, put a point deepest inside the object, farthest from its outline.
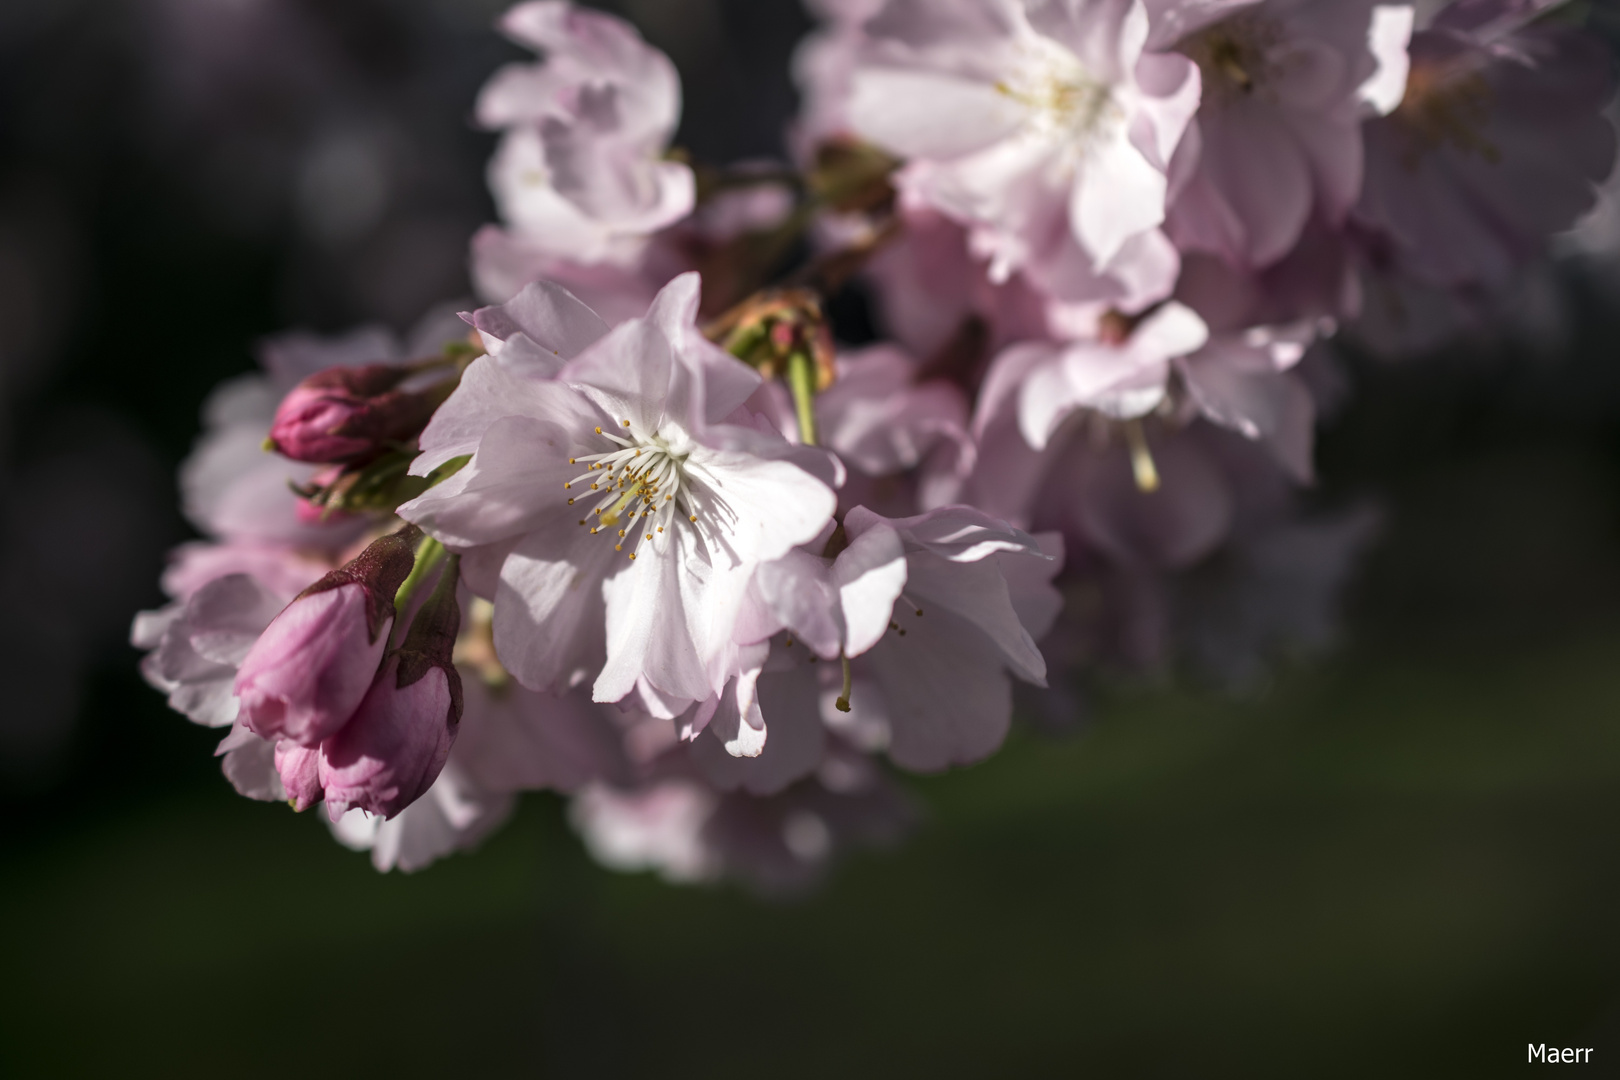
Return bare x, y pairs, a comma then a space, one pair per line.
311, 667
346, 414
393, 749
299, 769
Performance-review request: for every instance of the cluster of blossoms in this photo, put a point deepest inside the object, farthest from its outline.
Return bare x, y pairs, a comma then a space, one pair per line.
642, 531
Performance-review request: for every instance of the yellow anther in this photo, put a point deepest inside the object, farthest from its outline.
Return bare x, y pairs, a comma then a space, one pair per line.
660, 528
694, 517
570, 502
627, 423
632, 556
649, 536
618, 547
599, 431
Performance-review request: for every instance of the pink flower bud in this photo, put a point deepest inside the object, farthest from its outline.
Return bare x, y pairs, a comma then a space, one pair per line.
394, 748
391, 752
299, 769
311, 667
346, 414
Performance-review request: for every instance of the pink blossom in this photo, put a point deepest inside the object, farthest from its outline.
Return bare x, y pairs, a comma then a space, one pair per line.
931, 611
232, 490
309, 670
1121, 373
197, 644
1499, 142
298, 768
658, 827
634, 447
936, 299
1243, 382
823, 66
341, 414
883, 416
282, 571
902, 434
396, 743
1278, 134
1318, 281
1045, 128
581, 168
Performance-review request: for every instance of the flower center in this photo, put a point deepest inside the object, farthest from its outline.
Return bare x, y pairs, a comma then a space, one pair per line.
1445, 103
1233, 56
1067, 106
641, 487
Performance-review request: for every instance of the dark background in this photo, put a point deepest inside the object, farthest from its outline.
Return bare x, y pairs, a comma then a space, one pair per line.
1400, 859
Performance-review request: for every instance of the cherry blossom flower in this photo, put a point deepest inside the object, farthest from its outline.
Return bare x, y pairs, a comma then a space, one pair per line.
823, 66
1122, 375
932, 612
1244, 382
1286, 84
581, 167
196, 645
1499, 142
1046, 128
587, 455
902, 435
715, 599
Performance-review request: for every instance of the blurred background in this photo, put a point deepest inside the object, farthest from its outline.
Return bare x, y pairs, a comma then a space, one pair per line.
1402, 857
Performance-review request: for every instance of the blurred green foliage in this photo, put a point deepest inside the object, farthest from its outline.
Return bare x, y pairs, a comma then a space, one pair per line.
1400, 864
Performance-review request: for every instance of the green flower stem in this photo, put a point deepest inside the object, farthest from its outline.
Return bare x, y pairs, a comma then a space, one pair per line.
801, 380
429, 554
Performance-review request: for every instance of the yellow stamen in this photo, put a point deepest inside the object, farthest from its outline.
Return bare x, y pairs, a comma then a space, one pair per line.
1146, 473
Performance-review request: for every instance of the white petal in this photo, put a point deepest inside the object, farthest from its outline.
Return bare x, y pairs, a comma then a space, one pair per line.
799, 590
1388, 37
930, 115
869, 576
492, 388
548, 607
1118, 194
547, 314
762, 509
516, 477
647, 632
